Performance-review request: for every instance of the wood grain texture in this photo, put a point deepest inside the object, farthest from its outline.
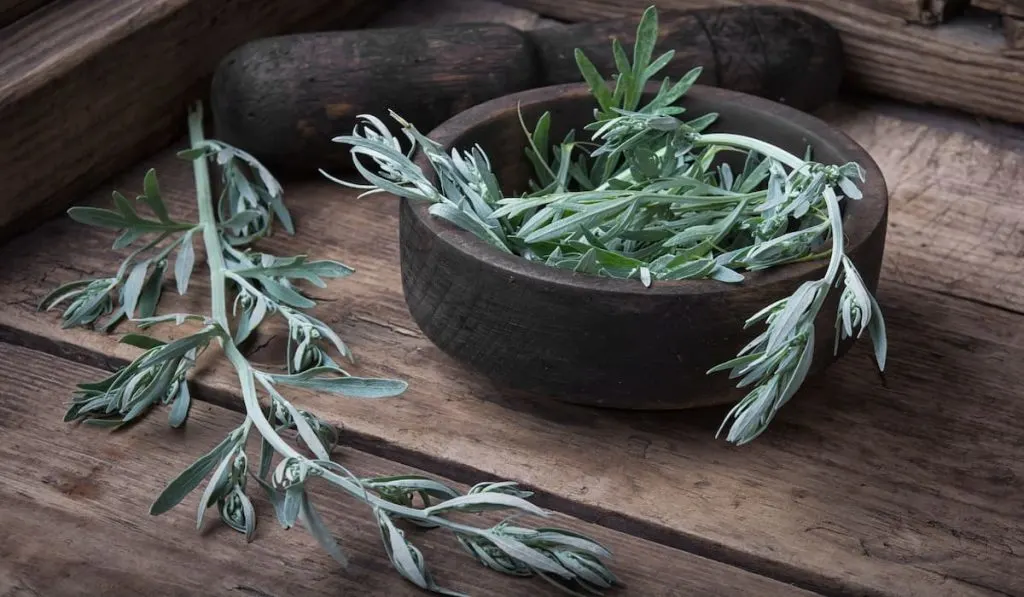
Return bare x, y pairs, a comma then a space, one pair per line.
631, 347
12, 10
959, 65
284, 99
912, 11
914, 488
1007, 7
1014, 31
75, 504
93, 85
787, 56
426, 13
957, 222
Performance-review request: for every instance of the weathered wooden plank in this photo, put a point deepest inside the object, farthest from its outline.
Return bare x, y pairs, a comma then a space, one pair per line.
12, 10
1006, 7
425, 13
90, 86
958, 223
959, 65
75, 504
858, 489
1014, 30
912, 11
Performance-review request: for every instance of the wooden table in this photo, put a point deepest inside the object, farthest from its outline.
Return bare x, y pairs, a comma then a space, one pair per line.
911, 486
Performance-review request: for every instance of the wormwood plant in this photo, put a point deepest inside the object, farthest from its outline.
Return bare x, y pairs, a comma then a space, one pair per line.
253, 286
647, 198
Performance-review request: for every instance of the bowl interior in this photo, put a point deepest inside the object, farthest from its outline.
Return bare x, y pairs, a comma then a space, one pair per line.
495, 126
503, 140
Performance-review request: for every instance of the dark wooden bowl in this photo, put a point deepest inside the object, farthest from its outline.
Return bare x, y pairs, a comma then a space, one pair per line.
606, 342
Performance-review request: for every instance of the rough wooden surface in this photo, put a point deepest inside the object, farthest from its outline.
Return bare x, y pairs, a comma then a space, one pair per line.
88, 87
12, 10
1007, 7
959, 64
284, 98
1014, 31
75, 504
425, 13
914, 487
912, 11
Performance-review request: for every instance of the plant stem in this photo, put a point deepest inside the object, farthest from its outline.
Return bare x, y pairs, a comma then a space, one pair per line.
246, 375
208, 221
751, 144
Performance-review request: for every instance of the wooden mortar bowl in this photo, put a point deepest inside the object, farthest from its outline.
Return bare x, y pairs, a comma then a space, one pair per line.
605, 342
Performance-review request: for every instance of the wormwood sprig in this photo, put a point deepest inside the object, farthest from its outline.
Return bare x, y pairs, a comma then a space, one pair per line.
264, 286
654, 196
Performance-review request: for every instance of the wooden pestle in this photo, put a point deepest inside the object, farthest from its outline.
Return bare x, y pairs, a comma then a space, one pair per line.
284, 98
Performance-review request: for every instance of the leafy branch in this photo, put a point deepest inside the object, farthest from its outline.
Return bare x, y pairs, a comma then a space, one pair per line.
254, 286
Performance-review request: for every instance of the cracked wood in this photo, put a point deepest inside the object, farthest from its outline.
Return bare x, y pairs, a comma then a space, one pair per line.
76, 500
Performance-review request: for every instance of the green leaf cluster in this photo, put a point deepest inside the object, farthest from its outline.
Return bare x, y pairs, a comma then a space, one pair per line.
258, 285
653, 196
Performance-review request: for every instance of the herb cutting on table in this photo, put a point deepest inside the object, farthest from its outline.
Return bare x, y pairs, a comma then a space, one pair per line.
642, 199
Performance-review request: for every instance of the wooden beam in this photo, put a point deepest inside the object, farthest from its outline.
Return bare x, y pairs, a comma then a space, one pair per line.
75, 504
91, 86
430, 13
958, 65
1005, 7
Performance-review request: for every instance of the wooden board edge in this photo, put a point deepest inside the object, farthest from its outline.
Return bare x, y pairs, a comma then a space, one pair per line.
22, 366
468, 475
12, 10
128, 93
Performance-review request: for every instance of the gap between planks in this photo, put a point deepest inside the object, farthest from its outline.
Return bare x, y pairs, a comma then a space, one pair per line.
857, 489
98, 486
95, 85
464, 474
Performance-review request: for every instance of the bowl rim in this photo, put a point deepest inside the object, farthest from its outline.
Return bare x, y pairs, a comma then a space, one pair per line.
862, 217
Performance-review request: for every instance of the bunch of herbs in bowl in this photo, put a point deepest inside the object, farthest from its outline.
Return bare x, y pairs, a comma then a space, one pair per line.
624, 265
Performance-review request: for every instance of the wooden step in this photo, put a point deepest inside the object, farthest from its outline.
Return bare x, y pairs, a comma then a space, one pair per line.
74, 504
87, 87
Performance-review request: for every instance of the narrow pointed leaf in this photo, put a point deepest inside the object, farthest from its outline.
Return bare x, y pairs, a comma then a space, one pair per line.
141, 341
356, 387
216, 486
184, 263
320, 532
179, 409
152, 197
190, 478
94, 216
133, 287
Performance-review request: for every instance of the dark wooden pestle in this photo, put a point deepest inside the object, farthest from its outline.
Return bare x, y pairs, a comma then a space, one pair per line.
284, 98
